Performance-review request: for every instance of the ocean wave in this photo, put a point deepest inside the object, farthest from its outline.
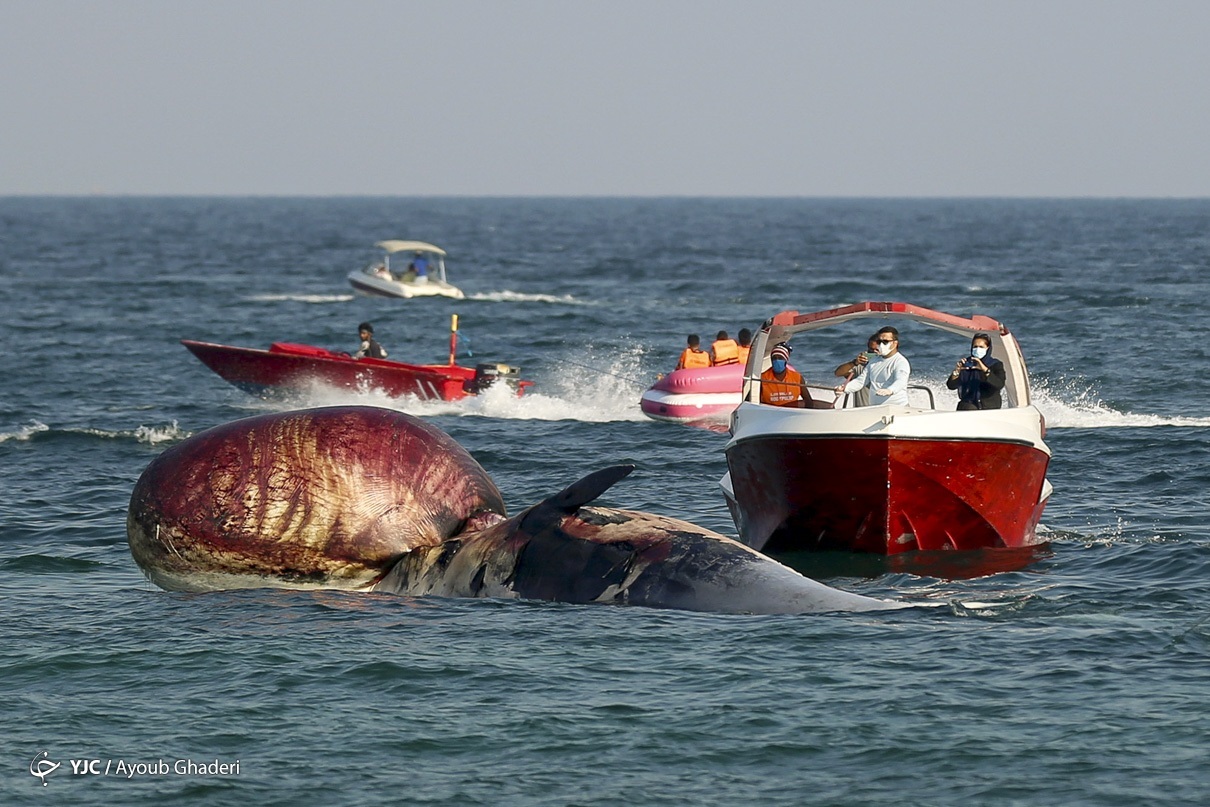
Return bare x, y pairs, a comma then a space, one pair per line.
48, 564
507, 296
300, 298
151, 435
24, 432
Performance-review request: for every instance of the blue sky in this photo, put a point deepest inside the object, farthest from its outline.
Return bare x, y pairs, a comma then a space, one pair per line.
619, 97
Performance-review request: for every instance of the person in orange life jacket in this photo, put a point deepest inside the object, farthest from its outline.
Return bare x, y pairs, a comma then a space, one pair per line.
780, 385
369, 348
745, 345
724, 350
693, 355
978, 377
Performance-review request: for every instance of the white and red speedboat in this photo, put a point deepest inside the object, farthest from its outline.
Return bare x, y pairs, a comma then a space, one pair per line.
695, 394
886, 479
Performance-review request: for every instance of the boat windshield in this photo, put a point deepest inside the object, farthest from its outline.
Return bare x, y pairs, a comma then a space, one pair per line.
924, 352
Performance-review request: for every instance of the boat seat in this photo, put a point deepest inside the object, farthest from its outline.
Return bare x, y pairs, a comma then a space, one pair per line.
847, 403
298, 350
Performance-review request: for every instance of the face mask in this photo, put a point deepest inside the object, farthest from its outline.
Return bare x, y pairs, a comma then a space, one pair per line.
884, 349
779, 366
978, 352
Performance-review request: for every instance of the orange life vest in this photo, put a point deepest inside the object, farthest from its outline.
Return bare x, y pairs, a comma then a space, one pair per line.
783, 392
725, 351
693, 358
744, 350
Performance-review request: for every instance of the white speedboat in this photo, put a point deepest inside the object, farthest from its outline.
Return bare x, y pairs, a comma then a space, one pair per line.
886, 479
422, 276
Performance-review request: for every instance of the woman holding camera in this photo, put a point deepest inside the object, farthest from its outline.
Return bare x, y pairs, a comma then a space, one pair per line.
978, 377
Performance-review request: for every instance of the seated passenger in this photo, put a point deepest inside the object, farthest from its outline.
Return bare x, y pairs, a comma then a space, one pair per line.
745, 345
693, 355
780, 385
978, 377
849, 370
886, 375
419, 268
724, 350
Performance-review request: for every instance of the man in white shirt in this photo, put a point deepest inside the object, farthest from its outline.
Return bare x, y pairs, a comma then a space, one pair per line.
886, 375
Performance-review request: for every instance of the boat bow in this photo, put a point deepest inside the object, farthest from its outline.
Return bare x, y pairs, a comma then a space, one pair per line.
886, 479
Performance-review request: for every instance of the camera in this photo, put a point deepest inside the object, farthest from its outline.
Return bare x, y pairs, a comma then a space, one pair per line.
969, 364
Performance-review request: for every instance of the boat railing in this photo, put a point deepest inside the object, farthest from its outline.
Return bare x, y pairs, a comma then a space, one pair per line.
925, 390
825, 395
912, 388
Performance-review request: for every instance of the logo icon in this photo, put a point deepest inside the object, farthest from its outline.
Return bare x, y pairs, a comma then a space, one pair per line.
41, 767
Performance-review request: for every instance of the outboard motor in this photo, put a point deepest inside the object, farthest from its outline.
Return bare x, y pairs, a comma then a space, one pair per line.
487, 374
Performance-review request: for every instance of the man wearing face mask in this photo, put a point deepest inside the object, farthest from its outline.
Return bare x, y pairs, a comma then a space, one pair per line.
780, 385
886, 375
978, 377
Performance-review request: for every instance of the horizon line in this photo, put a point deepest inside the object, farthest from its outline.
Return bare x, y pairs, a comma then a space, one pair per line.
605, 196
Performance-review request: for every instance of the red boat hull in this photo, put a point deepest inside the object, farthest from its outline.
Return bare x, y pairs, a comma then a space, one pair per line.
288, 366
886, 496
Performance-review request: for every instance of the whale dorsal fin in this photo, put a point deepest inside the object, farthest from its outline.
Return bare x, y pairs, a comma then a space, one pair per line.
589, 488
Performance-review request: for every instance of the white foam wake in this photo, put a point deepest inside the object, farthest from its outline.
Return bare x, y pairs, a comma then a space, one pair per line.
507, 296
301, 298
1083, 409
591, 403
596, 390
604, 385
1076, 408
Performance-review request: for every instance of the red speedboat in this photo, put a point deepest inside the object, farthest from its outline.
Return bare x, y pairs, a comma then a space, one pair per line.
886, 479
696, 394
286, 366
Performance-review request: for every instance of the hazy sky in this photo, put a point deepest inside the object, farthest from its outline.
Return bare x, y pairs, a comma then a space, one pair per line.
615, 97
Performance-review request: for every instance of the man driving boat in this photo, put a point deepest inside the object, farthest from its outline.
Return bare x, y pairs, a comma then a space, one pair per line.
781, 385
886, 375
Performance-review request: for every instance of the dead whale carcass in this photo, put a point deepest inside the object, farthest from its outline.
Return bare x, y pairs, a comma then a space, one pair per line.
364, 498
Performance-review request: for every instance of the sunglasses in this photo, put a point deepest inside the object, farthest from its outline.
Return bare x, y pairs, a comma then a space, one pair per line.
885, 341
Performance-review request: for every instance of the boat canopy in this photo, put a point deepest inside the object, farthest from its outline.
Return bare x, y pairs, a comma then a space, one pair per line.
1004, 346
413, 246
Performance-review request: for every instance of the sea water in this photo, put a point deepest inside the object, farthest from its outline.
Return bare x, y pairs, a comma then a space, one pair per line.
1082, 678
